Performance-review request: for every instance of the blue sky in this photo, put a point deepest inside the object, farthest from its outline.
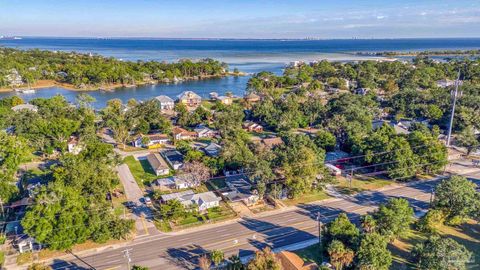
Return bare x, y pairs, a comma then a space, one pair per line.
241, 18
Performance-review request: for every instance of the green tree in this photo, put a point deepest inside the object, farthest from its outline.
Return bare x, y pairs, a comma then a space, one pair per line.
38, 266
234, 263
468, 139
344, 230
431, 221
340, 256
325, 140
456, 197
394, 218
369, 224
217, 257
264, 260
373, 253
138, 267
441, 254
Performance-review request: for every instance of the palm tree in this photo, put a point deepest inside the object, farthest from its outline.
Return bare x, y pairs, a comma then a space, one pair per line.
369, 224
217, 257
340, 256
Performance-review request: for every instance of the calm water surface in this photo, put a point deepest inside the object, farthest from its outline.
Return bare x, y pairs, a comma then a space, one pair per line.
247, 55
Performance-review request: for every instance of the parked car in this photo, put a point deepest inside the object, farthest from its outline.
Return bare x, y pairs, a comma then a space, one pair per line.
147, 201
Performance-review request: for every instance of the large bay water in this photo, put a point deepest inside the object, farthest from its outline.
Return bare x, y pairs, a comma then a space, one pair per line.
247, 55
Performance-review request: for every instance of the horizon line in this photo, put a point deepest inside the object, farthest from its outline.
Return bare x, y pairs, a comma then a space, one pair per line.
229, 38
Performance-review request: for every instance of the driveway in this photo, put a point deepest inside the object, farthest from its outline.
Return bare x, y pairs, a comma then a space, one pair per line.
142, 214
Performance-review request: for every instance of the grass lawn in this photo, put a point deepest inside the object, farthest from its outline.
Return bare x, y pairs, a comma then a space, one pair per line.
315, 195
359, 185
467, 234
215, 214
310, 254
141, 170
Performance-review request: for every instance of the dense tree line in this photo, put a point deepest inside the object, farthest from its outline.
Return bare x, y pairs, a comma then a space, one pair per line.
72, 207
94, 70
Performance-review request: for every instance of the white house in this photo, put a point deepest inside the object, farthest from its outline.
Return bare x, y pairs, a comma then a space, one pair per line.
74, 146
188, 198
181, 181
166, 103
204, 132
153, 140
158, 164
28, 107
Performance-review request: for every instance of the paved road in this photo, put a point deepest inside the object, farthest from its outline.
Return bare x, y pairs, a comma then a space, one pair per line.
142, 214
277, 230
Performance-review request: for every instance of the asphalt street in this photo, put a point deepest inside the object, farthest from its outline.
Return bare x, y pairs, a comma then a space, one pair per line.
277, 230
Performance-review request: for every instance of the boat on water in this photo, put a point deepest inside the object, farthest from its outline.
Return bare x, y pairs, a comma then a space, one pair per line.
26, 91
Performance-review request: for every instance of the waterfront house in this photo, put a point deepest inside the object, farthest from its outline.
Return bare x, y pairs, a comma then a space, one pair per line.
252, 127
14, 78
252, 98
225, 100
188, 198
213, 150
174, 158
189, 98
158, 164
183, 134
151, 140
28, 107
166, 103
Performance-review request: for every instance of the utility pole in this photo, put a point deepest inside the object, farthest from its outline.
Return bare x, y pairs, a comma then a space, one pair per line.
320, 225
455, 95
126, 254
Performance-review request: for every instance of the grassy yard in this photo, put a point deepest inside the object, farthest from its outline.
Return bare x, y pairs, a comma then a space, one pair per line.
467, 234
359, 185
215, 214
141, 170
315, 195
310, 254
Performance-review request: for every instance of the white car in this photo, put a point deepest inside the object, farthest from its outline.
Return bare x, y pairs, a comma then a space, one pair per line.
147, 200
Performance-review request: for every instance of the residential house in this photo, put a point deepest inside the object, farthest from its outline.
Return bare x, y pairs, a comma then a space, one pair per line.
151, 141
361, 91
14, 78
291, 261
240, 190
189, 98
174, 158
252, 98
188, 198
225, 100
166, 103
336, 156
445, 83
272, 142
183, 134
204, 132
28, 107
213, 150
178, 182
213, 95
74, 146
252, 127
158, 164
402, 126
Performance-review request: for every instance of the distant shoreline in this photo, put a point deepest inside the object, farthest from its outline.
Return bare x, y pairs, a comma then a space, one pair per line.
42, 84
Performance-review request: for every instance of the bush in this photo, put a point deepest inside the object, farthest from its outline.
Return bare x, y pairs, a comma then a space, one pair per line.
455, 221
431, 222
2, 239
2, 258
